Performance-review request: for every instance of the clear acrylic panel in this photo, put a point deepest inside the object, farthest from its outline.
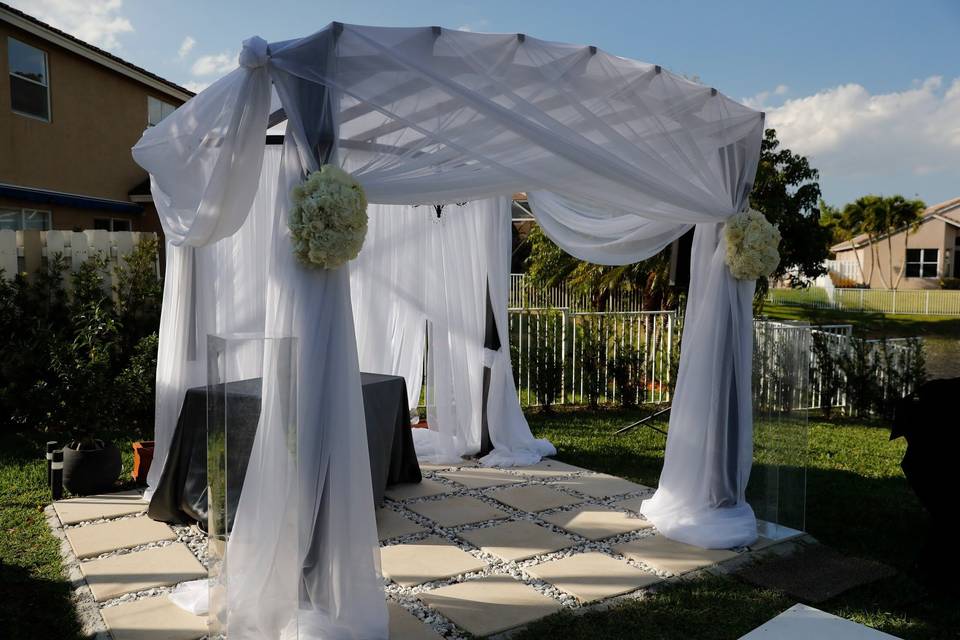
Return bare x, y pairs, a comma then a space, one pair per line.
239, 368
781, 400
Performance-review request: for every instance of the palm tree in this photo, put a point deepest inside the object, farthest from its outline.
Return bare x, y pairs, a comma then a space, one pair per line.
878, 216
902, 214
866, 215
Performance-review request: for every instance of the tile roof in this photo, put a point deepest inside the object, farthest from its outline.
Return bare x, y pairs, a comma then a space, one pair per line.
928, 214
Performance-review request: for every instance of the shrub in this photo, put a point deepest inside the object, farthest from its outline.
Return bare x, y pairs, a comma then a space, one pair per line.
825, 348
80, 360
843, 282
590, 340
546, 359
950, 283
627, 372
858, 366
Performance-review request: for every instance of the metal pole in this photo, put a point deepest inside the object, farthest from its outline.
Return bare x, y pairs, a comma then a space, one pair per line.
51, 447
643, 422
56, 474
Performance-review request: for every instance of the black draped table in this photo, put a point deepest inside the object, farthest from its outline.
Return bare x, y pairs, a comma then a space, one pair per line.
181, 494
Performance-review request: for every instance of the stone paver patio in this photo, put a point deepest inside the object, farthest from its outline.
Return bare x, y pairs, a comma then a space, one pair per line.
469, 549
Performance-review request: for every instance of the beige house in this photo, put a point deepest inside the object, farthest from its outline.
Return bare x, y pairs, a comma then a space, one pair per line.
69, 113
930, 255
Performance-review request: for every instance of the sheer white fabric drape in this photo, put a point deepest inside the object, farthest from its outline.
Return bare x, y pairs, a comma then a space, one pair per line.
619, 155
389, 290
418, 271
219, 288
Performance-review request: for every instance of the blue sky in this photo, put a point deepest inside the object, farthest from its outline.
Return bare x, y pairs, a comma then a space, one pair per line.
869, 90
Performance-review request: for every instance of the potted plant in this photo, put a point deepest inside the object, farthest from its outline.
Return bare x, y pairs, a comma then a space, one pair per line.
91, 464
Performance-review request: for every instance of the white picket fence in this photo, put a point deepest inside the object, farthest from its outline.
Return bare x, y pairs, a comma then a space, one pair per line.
587, 345
524, 295
938, 302
26, 251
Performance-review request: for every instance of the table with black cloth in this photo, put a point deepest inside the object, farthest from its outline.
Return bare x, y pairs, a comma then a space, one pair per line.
181, 494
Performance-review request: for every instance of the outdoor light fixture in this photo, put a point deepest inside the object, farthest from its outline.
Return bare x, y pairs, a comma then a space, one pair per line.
438, 207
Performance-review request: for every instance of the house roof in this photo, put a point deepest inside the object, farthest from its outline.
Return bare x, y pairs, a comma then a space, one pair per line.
56, 36
935, 212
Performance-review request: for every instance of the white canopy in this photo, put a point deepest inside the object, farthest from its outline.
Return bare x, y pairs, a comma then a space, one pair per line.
619, 158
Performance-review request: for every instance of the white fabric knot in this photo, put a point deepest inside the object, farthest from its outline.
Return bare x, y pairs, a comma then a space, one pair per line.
254, 53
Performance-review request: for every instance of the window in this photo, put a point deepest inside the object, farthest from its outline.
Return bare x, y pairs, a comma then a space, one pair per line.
157, 110
111, 224
29, 80
921, 263
15, 219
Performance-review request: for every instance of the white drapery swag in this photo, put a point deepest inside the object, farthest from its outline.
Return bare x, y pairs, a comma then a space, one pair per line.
420, 273
619, 158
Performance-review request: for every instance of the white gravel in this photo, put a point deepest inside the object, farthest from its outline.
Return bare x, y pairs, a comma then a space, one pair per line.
196, 541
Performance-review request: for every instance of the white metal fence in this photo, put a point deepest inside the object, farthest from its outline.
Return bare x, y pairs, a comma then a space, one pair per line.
902, 301
781, 348
587, 353
524, 295
846, 268
25, 251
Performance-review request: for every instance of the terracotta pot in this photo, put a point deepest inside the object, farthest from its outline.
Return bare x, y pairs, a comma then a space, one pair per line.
90, 470
142, 457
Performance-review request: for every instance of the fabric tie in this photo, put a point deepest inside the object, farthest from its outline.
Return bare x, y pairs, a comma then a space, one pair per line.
254, 53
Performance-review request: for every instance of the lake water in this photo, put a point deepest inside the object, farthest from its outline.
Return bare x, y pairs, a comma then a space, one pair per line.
943, 356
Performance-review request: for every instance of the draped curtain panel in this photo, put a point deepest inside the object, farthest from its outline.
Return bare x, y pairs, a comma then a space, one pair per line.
422, 275
620, 157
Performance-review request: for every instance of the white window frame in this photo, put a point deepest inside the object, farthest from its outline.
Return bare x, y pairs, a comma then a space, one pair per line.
45, 85
23, 213
163, 106
922, 262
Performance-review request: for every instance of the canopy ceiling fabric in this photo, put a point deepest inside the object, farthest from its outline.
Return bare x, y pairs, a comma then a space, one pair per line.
619, 158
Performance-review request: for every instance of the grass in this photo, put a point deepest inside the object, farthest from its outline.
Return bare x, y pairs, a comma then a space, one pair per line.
35, 596
857, 502
874, 325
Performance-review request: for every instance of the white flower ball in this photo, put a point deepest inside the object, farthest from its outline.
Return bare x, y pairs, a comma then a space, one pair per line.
328, 219
751, 245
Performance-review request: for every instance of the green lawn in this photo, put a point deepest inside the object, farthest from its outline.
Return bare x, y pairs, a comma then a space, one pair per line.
35, 597
857, 501
874, 325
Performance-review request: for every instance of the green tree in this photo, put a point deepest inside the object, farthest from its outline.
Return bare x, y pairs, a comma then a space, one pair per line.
831, 218
785, 190
549, 265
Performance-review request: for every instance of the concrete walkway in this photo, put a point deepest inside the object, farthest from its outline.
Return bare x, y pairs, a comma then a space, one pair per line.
470, 549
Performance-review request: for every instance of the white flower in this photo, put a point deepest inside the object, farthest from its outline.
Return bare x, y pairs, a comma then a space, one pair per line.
328, 219
751, 245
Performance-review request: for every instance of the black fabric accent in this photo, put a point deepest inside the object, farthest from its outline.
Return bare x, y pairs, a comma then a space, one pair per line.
181, 494
486, 444
491, 338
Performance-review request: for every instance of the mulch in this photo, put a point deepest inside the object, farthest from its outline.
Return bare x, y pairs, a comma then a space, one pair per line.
814, 574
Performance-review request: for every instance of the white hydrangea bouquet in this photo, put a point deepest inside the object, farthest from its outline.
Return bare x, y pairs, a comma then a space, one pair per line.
751, 245
328, 220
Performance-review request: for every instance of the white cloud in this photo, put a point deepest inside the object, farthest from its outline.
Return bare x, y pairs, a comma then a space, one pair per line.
98, 22
850, 133
185, 47
759, 101
477, 25
214, 64
196, 87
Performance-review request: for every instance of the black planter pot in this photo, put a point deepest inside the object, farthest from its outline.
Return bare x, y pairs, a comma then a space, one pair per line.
92, 470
